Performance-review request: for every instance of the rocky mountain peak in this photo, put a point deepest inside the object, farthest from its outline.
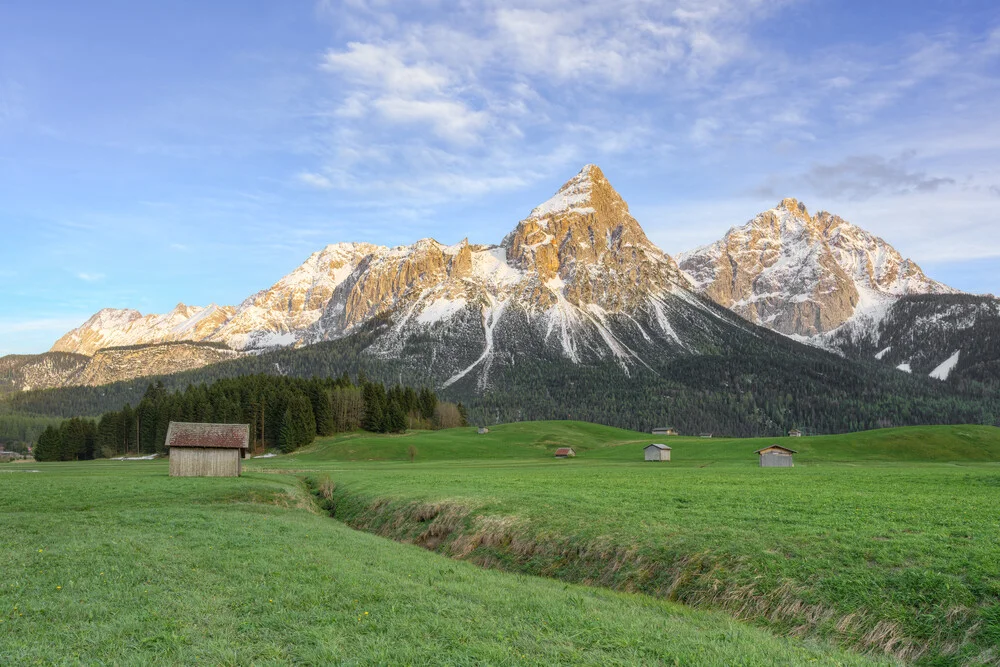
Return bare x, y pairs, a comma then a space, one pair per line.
583, 234
793, 206
802, 274
576, 257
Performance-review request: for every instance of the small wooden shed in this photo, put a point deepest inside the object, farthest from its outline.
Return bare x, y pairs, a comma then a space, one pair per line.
795, 433
657, 452
565, 452
664, 430
775, 456
207, 450
483, 430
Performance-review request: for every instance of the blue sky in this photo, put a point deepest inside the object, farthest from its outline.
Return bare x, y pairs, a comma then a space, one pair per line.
152, 153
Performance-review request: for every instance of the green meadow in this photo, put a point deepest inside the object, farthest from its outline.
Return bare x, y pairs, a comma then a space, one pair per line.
886, 541
876, 547
115, 563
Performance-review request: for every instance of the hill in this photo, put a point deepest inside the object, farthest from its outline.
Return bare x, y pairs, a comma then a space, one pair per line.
539, 440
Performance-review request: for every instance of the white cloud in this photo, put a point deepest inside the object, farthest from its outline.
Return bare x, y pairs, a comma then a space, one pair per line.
458, 92
90, 277
382, 67
448, 119
318, 181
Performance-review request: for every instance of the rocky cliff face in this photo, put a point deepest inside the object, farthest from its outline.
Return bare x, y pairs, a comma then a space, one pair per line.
111, 364
802, 274
578, 277
113, 327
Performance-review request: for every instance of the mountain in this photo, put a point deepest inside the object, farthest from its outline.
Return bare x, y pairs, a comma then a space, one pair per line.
575, 314
118, 328
106, 365
804, 275
946, 337
831, 284
578, 276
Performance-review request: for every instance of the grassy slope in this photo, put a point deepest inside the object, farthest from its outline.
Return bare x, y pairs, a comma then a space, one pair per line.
117, 563
526, 440
890, 536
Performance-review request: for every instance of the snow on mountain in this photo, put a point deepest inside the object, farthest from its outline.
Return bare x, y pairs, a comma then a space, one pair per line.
577, 278
942, 371
805, 275
113, 327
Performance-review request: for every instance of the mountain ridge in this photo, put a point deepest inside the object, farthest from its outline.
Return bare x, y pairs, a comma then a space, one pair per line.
804, 275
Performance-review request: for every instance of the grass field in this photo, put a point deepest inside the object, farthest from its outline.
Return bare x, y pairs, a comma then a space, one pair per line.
886, 541
115, 563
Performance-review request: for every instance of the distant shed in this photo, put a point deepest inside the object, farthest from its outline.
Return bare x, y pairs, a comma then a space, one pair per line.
795, 433
565, 452
657, 452
664, 430
207, 450
483, 430
775, 456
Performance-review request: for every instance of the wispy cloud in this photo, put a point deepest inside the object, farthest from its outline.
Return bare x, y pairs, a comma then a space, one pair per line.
866, 176
90, 277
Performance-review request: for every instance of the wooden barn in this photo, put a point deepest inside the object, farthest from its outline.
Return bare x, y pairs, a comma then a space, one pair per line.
664, 430
795, 433
565, 452
207, 450
775, 456
657, 452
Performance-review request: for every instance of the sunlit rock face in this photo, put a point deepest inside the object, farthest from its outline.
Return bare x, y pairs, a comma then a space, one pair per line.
802, 274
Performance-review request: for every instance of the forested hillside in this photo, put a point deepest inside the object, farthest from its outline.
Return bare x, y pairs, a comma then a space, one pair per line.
758, 385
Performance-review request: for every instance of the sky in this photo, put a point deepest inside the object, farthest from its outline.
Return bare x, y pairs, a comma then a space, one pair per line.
196, 152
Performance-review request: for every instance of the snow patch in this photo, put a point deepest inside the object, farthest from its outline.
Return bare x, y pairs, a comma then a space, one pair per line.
569, 199
905, 367
947, 366
883, 353
440, 309
490, 266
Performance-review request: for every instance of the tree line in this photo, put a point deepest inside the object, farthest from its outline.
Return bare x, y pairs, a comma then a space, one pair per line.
283, 413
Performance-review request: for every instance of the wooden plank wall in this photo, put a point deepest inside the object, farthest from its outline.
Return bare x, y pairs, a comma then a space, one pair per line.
775, 461
204, 462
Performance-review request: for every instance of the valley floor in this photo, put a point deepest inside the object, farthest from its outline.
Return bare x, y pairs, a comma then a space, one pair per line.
116, 563
883, 542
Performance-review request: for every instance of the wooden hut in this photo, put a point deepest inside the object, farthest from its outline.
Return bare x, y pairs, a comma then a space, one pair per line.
657, 452
207, 450
664, 430
706, 435
775, 456
565, 452
483, 430
795, 433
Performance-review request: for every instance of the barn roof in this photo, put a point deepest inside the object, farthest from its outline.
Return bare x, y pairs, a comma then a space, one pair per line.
785, 449
563, 450
657, 445
187, 434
